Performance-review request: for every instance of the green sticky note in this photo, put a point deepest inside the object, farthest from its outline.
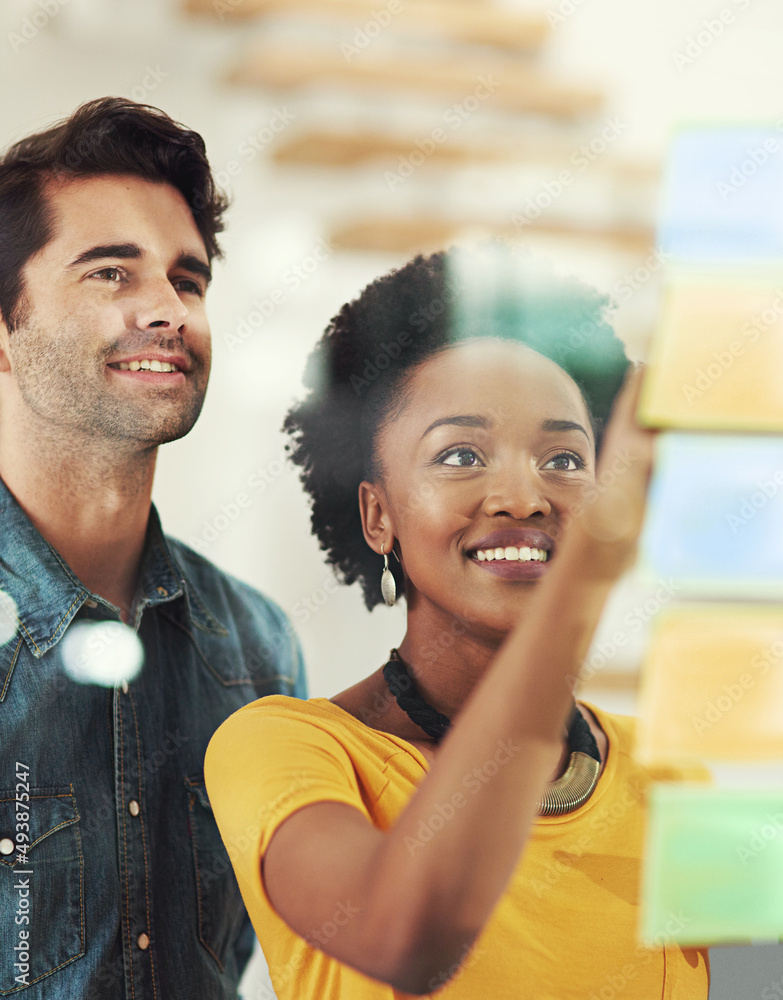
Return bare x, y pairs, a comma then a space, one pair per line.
714, 865
495, 291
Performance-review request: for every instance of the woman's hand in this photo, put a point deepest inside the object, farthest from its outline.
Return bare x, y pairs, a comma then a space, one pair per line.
611, 517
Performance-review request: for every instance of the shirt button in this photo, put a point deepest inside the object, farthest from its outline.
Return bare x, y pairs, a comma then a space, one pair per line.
163, 592
6, 846
124, 687
90, 603
133, 807
143, 941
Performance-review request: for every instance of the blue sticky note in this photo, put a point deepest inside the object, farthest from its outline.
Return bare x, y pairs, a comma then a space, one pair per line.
715, 514
723, 195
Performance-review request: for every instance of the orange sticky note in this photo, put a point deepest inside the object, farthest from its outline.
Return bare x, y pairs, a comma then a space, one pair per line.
716, 361
712, 686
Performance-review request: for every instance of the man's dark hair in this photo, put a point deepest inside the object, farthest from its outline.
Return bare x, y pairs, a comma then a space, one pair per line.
359, 372
110, 135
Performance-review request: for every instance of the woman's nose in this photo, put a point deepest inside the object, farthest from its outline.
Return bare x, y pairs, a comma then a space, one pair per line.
519, 494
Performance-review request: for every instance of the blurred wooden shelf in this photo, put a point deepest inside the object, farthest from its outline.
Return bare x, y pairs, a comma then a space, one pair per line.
479, 23
319, 148
502, 84
354, 149
425, 235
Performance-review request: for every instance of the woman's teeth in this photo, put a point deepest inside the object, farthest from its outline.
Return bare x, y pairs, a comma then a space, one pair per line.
512, 554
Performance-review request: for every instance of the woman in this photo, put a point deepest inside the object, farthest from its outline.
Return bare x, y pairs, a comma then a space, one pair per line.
453, 821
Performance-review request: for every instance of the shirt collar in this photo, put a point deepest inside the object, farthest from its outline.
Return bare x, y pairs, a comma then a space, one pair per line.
47, 595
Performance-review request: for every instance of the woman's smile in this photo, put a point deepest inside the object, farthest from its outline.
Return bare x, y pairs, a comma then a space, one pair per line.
513, 553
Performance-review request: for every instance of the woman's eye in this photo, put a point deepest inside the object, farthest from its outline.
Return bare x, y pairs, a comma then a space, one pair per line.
565, 462
463, 457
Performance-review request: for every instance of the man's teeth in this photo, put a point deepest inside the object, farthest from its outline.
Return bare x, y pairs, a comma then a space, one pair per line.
513, 554
147, 366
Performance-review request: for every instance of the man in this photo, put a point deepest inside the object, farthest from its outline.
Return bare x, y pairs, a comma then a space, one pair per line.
114, 882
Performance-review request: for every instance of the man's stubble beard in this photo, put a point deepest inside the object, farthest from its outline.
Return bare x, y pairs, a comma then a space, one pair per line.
45, 372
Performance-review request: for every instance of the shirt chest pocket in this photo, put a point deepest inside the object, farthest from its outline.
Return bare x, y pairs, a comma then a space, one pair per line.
41, 888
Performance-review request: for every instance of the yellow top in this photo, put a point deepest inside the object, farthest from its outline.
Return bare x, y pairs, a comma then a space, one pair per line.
565, 929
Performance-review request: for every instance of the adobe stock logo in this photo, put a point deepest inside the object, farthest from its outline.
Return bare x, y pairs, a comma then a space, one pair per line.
30, 26
758, 500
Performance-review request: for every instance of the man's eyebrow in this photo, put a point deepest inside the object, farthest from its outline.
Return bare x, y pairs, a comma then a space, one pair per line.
460, 420
563, 425
122, 251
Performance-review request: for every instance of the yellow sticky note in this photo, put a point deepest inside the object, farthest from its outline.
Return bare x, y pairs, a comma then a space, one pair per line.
716, 361
712, 685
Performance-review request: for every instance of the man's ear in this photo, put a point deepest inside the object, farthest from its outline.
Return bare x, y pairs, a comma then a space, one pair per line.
5, 346
376, 519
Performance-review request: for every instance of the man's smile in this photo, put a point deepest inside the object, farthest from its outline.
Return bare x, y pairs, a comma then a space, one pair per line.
167, 369
146, 365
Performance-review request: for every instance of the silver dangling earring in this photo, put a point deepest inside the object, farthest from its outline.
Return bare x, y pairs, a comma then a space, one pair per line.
388, 586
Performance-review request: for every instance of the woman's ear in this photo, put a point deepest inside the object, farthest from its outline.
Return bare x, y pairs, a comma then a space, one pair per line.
376, 520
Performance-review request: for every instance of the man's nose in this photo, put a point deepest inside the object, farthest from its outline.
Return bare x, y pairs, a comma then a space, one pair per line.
158, 305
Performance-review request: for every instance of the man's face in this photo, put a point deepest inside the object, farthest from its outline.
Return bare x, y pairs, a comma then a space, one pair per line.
113, 340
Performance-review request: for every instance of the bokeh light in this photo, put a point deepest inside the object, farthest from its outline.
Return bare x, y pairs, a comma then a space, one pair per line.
105, 653
9, 618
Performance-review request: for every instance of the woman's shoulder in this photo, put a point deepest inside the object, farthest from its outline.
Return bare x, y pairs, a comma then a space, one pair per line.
278, 718
281, 732
285, 706
280, 713
279, 735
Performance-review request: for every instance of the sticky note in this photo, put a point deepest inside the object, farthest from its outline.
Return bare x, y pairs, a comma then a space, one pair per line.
712, 685
713, 869
723, 195
716, 361
714, 524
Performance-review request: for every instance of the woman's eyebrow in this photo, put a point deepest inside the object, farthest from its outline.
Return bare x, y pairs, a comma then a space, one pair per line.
563, 425
459, 420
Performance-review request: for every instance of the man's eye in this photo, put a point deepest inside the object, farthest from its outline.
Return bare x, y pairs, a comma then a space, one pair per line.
113, 274
463, 457
188, 285
566, 461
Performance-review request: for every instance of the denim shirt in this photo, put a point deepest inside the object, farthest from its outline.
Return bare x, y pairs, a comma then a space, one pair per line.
126, 890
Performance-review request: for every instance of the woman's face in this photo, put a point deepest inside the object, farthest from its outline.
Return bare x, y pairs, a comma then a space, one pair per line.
480, 470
